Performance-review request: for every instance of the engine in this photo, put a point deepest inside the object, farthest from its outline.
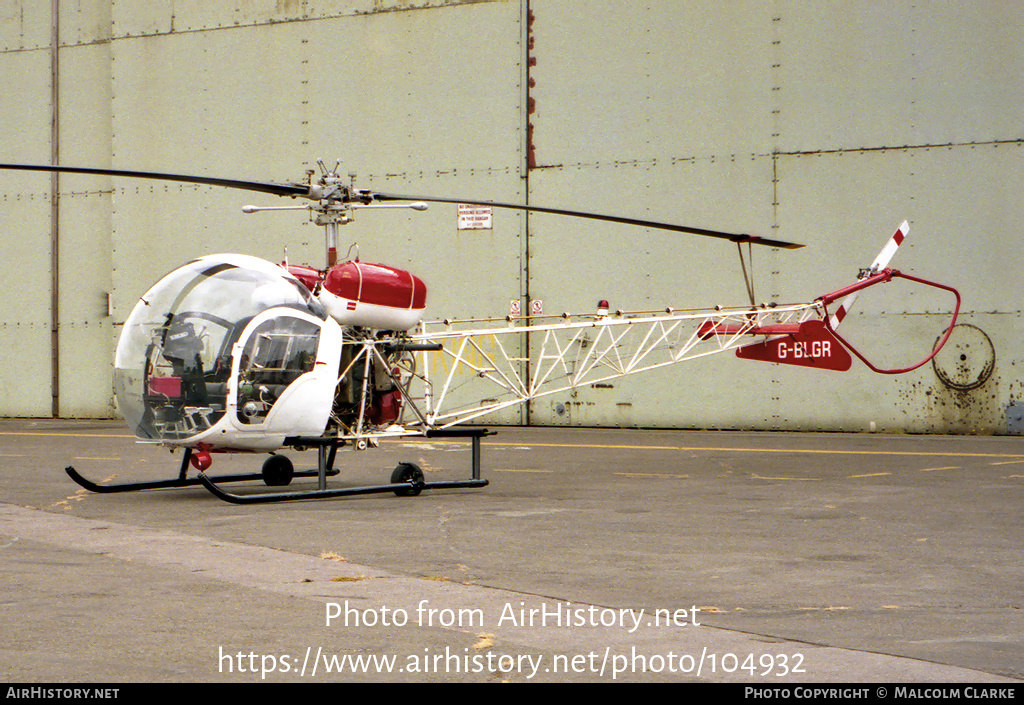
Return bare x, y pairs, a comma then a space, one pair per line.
376, 297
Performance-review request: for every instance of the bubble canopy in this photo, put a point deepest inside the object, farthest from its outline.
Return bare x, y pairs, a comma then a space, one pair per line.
173, 368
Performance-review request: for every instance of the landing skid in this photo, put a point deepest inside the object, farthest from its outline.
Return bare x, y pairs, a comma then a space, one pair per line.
180, 481
406, 480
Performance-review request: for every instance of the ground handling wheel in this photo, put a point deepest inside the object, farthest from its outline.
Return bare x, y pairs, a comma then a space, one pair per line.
278, 471
408, 473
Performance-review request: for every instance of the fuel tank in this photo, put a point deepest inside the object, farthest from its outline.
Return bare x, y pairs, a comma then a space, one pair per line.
373, 296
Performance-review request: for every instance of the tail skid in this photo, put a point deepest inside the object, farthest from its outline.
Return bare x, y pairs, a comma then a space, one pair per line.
887, 275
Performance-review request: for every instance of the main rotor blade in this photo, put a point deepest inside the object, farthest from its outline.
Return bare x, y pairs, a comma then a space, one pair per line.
275, 189
296, 190
733, 237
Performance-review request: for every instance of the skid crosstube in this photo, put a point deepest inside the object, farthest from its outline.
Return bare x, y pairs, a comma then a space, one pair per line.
181, 481
410, 487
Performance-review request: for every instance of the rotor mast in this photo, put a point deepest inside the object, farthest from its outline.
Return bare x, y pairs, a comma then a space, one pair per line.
334, 203
334, 193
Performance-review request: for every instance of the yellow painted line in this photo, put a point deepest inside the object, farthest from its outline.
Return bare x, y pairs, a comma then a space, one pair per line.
951, 467
1008, 462
871, 474
518, 470
766, 450
716, 449
650, 474
755, 476
795, 450
1019, 457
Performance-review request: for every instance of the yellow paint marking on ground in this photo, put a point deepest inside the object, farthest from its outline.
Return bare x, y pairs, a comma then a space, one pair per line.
948, 467
716, 449
764, 450
649, 474
871, 474
755, 476
519, 470
1008, 462
1019, 457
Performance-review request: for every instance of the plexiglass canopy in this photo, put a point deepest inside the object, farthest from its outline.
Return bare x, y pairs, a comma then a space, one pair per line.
173, 366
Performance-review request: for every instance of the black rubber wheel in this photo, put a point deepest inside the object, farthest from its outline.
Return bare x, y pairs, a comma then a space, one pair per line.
411, 473
278, 471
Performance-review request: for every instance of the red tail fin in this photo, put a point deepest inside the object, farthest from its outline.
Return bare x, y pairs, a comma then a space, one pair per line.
811, 346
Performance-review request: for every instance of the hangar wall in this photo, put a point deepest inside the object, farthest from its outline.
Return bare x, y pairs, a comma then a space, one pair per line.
827, 125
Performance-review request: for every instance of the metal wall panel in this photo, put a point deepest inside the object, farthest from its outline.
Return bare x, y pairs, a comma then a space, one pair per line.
86, 328
84, 22
816, 108
25, 108
25, 388
426, 102
617, 82
24, 25
191, 102
432, 103
659, 112
25, 318
826, 125
384, 101
863, 74
930, 93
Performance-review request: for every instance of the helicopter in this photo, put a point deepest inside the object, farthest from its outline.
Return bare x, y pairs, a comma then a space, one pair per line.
233, 353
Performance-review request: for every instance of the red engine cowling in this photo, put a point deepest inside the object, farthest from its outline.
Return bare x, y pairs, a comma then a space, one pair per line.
373, 296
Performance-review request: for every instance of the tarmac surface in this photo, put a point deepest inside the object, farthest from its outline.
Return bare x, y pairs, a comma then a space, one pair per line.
593, 555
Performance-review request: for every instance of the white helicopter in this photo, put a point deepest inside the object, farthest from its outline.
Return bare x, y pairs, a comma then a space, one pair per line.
234, 353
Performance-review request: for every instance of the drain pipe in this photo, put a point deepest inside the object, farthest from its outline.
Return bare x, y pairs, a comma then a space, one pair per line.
54, 209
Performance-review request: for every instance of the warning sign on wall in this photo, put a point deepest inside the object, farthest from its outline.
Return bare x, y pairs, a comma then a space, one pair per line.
474, 217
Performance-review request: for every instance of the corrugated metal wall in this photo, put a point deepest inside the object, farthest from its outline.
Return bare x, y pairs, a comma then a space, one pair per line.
827, 125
